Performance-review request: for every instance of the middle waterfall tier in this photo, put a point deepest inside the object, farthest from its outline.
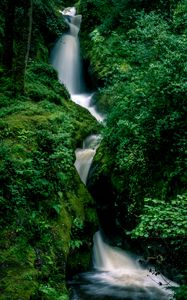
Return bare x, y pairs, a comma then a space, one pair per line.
85, 155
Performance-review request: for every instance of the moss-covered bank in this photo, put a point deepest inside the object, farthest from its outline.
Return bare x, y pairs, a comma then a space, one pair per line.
44, 205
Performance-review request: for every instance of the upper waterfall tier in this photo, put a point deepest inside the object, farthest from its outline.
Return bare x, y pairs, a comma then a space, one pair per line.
73, 20
65, 57
66, 60
74, 24
69, 11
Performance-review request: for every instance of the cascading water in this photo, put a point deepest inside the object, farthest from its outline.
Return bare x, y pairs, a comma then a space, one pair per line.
84, 156
65, 58
107, 258
116, 274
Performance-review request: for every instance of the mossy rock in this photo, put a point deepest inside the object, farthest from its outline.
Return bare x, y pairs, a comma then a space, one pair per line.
18, 279
42, 194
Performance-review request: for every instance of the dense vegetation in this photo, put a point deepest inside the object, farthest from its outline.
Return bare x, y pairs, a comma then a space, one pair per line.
42, 200
138, 52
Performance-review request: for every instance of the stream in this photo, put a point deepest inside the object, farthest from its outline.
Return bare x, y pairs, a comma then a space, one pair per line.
116, 274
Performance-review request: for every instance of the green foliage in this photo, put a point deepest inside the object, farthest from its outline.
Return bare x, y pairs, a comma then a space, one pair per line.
138, 55
18, 276
45, 86
162, 219
40, 190
76, 232
180, 17
1, 34
146, 119
181, 293
49, 293
36, 174
39, 195
108, 56
143, 73
48, 23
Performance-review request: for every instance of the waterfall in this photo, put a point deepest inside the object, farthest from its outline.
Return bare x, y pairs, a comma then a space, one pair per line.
65, 57
85, 100
84, 156
116, 274
107, 258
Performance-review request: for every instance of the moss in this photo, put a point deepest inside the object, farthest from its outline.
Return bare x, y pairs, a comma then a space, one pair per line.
84, 224
63, 229
41, 193
18, 276
78, 262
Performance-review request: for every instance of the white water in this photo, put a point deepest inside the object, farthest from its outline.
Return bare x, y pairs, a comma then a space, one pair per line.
116, 274
85, 100
69, 11
65, 58
107, 258
114, 266
84, 156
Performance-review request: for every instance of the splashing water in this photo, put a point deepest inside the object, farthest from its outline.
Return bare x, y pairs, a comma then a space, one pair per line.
117, 275
107, 258
85, 100
84, 156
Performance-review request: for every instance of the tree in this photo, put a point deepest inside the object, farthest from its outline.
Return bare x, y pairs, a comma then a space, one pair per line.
8, 35
23, 11
17, 38
20, 27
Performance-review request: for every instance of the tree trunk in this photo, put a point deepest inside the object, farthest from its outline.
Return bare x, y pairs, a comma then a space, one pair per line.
29, 33
23, 29
9, 35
